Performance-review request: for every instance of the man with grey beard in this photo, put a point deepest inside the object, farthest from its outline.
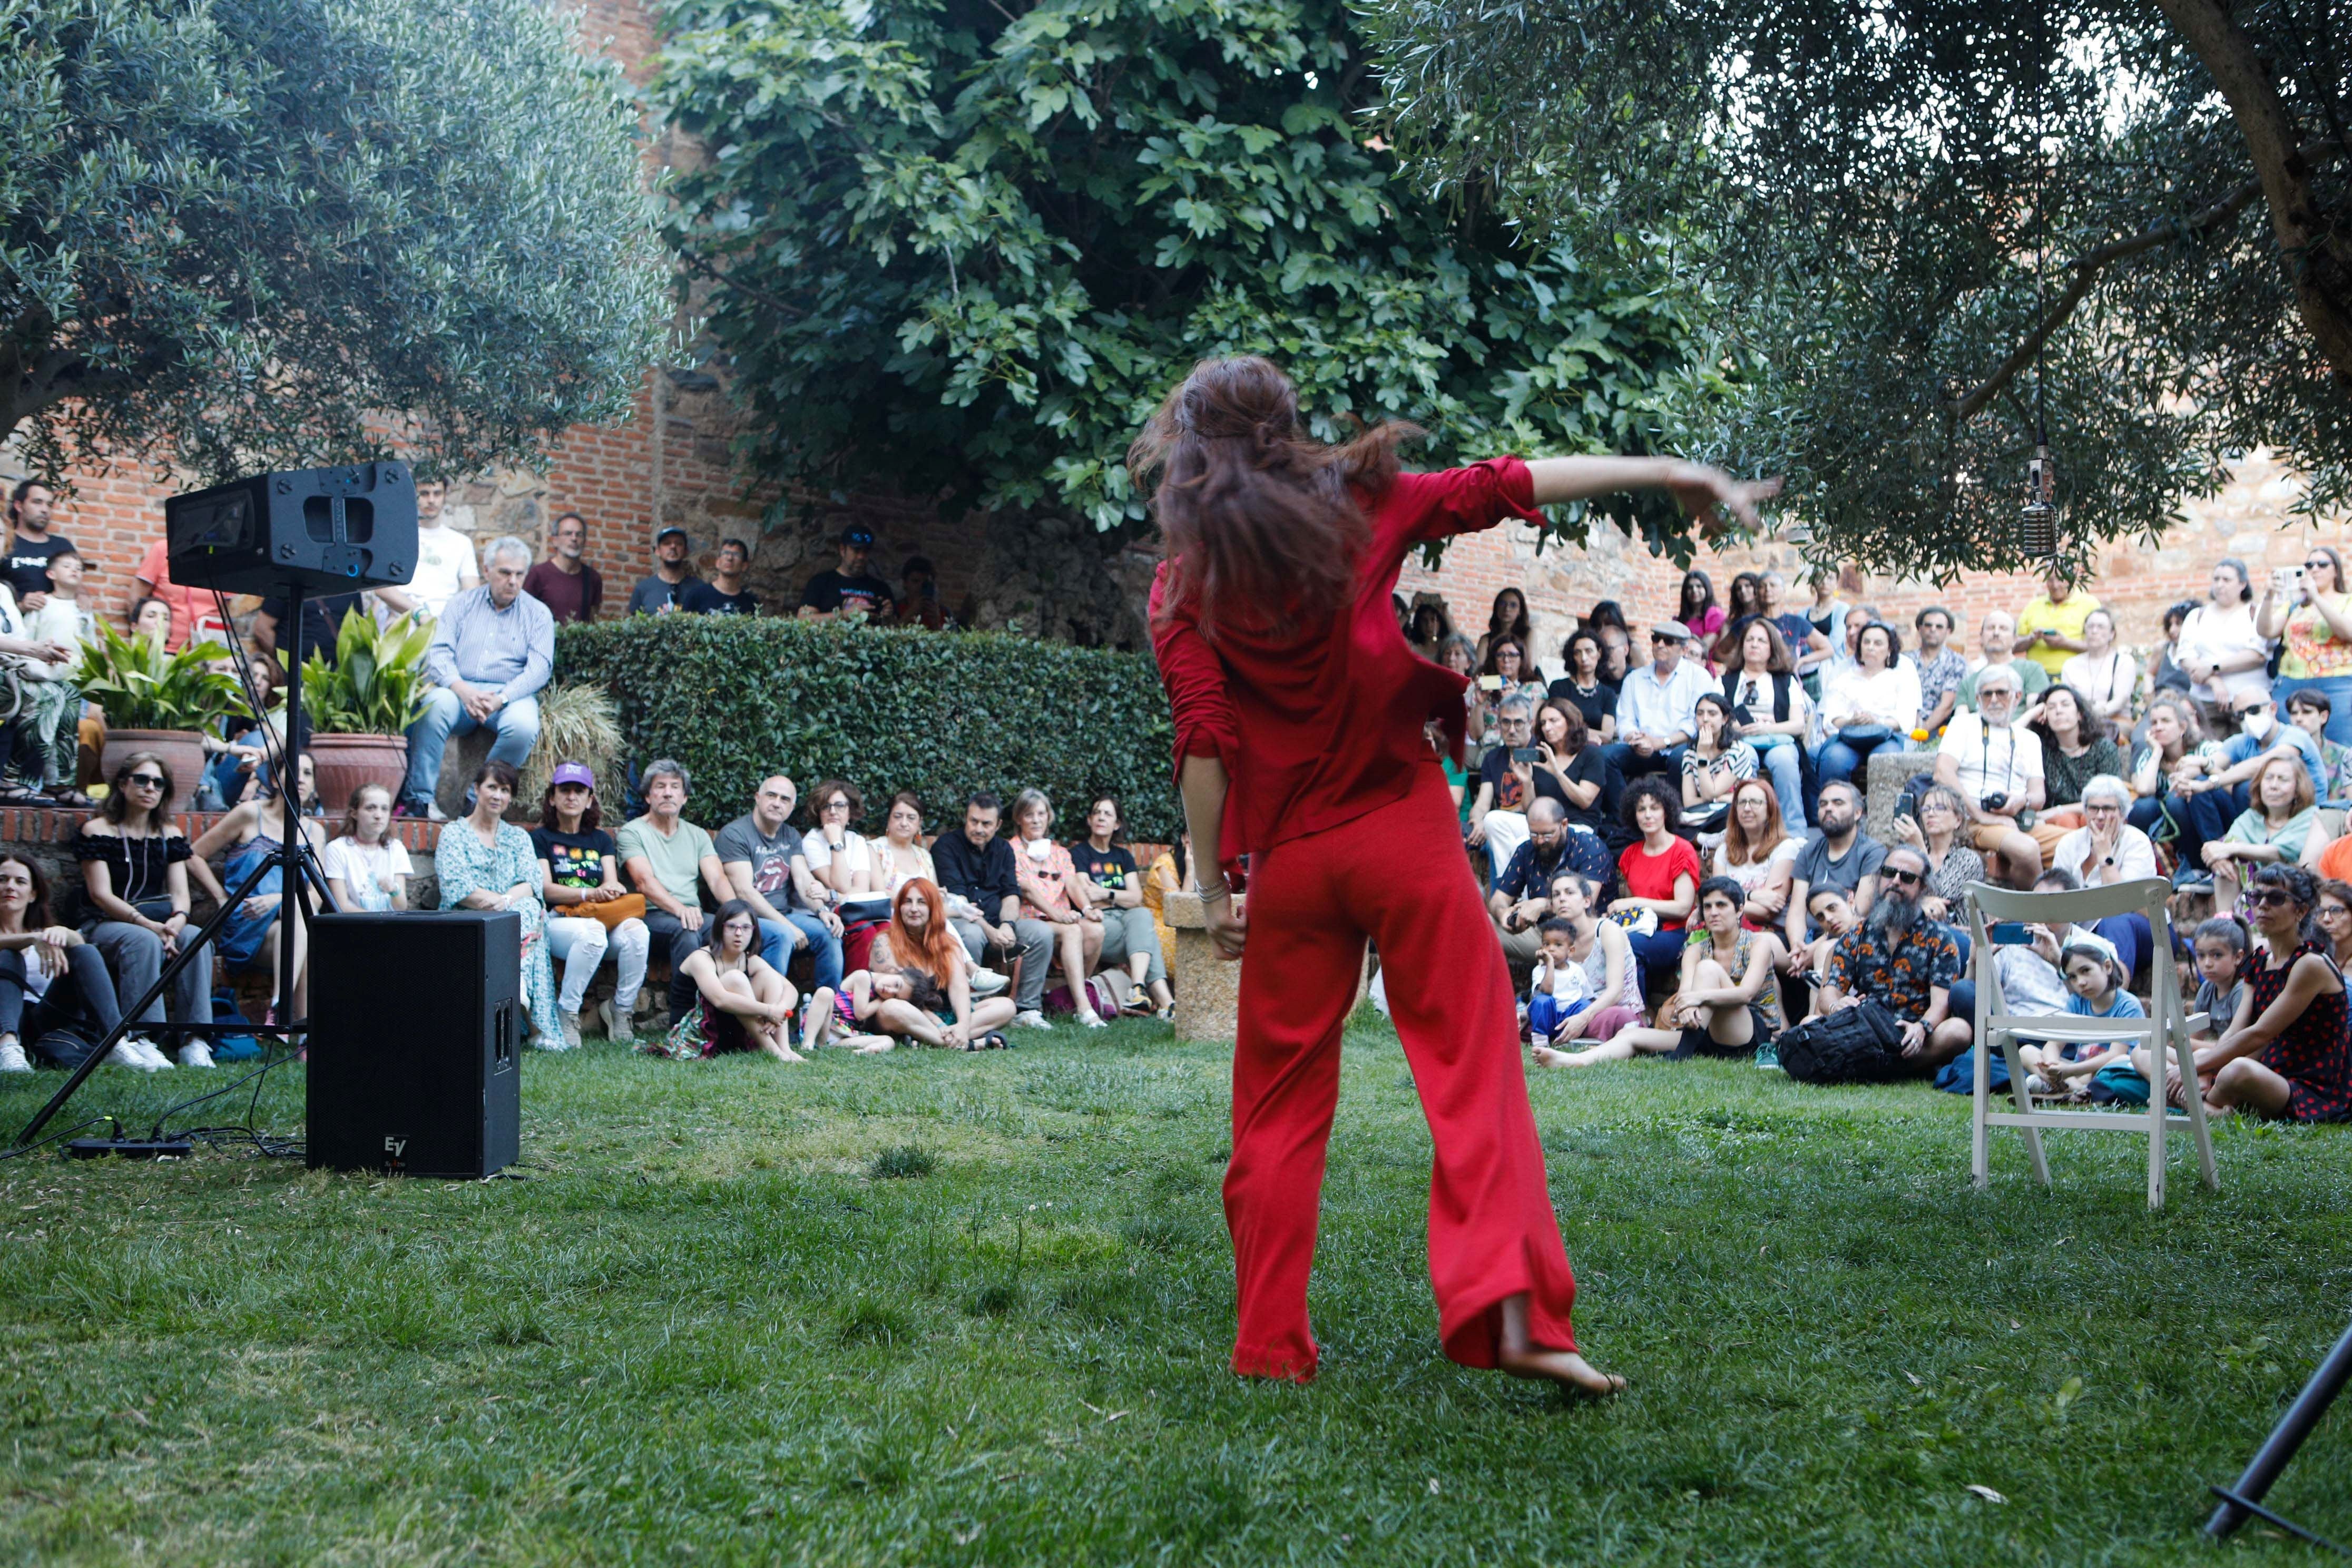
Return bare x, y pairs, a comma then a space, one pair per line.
1899, 957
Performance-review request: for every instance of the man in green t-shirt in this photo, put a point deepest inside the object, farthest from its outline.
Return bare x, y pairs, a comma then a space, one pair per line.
1997, 641
670, 861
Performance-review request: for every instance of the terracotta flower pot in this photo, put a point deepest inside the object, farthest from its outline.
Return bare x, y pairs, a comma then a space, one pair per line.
183, 751
344, 762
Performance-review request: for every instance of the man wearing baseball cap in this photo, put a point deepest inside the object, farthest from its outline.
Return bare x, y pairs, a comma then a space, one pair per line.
660, 593
1656, 706
850, 589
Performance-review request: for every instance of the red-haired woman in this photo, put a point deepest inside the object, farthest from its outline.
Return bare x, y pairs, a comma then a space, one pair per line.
923, 946
1299, 742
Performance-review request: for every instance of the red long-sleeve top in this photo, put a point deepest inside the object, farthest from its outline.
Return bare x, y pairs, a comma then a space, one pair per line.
1318, 727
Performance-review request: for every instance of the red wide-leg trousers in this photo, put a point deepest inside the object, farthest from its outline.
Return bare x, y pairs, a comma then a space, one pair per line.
1399, 876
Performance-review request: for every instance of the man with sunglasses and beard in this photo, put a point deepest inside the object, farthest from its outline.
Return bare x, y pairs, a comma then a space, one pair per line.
1905, 961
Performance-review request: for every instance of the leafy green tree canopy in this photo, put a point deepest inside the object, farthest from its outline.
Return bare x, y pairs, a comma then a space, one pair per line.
950, 243
1930, 223
244, 233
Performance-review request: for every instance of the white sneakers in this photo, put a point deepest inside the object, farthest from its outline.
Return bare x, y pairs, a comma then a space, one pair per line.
1091, 1020
570, 1029
12, 1055
988, 982
136, 1051
1031, 1019
195, 1053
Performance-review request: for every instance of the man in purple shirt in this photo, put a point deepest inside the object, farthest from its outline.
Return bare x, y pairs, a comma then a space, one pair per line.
567, 585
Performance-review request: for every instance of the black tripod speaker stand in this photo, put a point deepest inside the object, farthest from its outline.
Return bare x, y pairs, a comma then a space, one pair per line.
2244, 1499
299, 875
281, 532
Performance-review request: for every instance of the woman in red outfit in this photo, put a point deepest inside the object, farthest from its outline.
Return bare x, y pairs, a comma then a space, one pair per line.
1302, 741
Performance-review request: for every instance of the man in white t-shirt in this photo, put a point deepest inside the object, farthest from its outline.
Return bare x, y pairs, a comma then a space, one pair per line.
445, 558
1995, 763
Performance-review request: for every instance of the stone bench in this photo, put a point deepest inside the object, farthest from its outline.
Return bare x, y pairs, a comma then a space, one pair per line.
1889, 773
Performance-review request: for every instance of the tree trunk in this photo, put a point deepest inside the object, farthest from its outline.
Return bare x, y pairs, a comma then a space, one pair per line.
2319, 261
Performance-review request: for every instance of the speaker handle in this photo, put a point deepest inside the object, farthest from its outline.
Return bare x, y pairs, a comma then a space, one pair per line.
502, 1038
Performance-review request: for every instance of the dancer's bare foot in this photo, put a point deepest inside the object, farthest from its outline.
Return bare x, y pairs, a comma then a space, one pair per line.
1564, 1367
1520, 1356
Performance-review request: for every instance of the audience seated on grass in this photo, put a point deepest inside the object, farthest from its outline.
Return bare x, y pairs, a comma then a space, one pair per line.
670, 860
1839, 856
50, 978
253, 834
1830, 915
2285, 1053
1521, 900
741, 1002
1049, 896
926, 995
368, 869
590, 910
1661, 874
487, 863
1112, 885
1612, 975
766, 864
2219, 946
984, 892
2105, 850
2332, 920
1757, 854
1898, 957
2094, 986
136, 900
1728, 1001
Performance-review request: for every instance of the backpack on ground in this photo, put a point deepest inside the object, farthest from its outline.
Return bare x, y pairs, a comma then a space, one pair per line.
1861, 1044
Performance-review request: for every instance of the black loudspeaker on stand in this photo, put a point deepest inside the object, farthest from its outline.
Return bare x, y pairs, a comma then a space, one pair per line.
429, 1087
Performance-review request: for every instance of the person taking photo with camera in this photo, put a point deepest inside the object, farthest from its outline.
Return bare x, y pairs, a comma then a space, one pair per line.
1995, 763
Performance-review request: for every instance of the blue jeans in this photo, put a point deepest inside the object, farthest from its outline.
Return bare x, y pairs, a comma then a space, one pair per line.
778, 939
1838, 761
2196, 819
516, 726
1660, 954
1787, 771
2338, 691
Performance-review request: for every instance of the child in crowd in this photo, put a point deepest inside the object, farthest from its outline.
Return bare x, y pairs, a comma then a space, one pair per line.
2095, 988
875, 1007
859, 1000
2220, 965
1833, 916
1561, 988
367, 867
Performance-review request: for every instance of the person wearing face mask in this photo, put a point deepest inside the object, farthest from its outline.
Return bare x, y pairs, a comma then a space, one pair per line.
2208, 788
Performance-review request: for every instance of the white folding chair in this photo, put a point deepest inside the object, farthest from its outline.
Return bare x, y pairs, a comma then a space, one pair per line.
2166, 1030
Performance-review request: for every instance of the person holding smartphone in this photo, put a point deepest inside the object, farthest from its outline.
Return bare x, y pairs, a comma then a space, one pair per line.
2309, 607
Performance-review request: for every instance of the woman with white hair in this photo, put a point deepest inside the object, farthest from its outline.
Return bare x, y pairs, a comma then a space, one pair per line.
2107, 849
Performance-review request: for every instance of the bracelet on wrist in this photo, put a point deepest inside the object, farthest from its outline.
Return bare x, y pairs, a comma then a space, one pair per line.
1211, 894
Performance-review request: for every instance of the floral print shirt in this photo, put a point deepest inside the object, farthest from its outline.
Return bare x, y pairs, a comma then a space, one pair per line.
1900, 977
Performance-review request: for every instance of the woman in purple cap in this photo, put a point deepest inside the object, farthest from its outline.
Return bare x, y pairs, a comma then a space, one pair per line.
578, 872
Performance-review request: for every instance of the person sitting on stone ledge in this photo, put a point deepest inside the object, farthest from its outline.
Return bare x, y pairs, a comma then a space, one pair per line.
671, 860
51, 689
1112, 884
36, 955
570, 588
22, 740
135, 898
1049, 894
983, 892
580, 873
725, 594
368, 867
766, 862
900, 854
492, 650
485, 862
252, 833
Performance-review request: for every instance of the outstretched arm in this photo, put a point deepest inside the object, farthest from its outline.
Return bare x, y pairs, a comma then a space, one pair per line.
1702, 490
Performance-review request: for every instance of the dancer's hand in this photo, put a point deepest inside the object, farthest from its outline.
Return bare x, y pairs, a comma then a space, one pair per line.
1705, 491
1228, 925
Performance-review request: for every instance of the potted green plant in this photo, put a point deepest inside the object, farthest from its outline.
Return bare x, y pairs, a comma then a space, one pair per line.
361, 706
157, 701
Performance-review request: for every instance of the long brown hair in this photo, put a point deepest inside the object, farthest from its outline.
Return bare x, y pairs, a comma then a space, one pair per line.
1252, 511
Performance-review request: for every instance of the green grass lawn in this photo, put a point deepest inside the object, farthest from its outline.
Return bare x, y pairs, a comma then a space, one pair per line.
954, 1309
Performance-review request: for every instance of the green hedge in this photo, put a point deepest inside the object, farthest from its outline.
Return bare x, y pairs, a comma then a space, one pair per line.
736, 698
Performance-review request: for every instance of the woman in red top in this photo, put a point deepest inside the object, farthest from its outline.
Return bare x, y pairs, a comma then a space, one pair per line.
1302, 741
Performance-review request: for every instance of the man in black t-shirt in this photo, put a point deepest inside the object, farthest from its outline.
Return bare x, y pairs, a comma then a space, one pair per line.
850, 589
31, 545
725, 594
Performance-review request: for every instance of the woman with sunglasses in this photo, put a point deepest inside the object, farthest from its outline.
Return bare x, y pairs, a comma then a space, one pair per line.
134, 867
2286, 1054
2314, 613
